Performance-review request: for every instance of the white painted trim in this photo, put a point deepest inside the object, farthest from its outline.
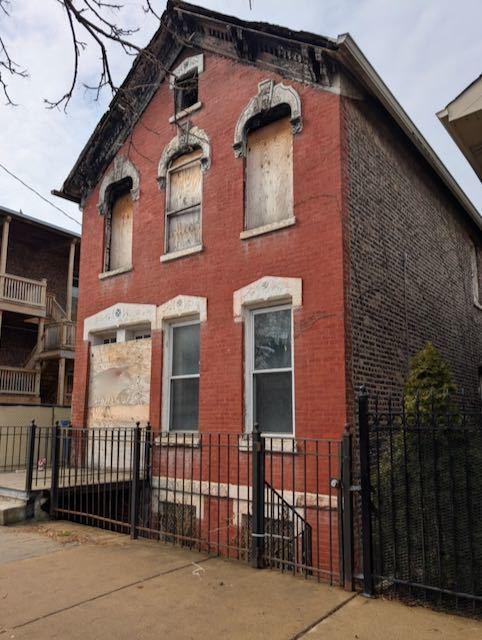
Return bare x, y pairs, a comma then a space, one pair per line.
266, 291
186, 140
185, 112
182, 307
115, 272
167, 257
122, 168
122, 314
187, 66
269, 95
267, 228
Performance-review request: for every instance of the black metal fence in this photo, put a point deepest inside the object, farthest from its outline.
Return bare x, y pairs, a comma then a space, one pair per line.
421, 479
268, 501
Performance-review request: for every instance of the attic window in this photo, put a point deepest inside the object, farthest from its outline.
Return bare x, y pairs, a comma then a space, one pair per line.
186, 91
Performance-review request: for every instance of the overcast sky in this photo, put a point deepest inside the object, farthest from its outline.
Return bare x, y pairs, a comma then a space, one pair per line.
426, 51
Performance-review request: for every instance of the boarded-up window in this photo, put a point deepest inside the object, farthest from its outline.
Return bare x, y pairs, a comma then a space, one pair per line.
120, 246
183, 210
269, 174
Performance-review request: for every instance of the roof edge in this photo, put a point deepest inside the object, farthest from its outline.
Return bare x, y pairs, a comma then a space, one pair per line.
357, 61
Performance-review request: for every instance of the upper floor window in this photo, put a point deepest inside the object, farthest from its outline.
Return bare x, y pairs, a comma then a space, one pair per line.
264, 137
119, 238
186, 91
118, 191
183, 203
269, 175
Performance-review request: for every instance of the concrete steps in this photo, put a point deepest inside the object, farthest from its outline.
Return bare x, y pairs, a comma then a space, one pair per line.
17, 506
12, 510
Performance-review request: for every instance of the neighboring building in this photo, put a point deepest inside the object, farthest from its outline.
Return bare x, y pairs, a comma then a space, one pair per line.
38, 305
264, 230
463, 120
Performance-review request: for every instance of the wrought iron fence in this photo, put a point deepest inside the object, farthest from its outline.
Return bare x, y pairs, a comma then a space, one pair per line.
421, 478
199, 490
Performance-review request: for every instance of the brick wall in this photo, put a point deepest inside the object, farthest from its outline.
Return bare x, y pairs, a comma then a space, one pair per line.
36, 253
409, 259
311, 250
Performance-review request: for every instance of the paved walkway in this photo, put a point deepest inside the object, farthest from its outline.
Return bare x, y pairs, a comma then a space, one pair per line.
62, 581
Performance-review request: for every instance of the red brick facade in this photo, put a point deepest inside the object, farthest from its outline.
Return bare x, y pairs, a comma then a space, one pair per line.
312, 250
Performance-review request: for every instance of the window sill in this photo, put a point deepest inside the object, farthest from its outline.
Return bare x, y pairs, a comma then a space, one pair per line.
166, 257
267, 228
115, 272
273, 442
178, 439
185, 112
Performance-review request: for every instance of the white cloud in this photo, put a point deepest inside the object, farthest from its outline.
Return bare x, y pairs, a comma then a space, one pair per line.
426, 52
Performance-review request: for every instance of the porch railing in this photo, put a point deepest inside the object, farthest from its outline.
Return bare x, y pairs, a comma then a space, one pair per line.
59, 335
18, 381
23, 290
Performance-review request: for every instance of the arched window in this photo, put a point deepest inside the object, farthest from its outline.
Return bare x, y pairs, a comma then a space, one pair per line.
264, 137
269, 174
118, 237
183, 203
118, 191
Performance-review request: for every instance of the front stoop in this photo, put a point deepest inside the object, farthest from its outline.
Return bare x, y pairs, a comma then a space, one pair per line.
17, 506
12, 510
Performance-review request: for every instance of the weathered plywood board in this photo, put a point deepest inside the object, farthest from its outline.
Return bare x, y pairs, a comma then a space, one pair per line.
119, 385
269, 174
121, 233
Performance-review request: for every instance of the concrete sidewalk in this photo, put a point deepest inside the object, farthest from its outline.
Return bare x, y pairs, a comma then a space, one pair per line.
60, 580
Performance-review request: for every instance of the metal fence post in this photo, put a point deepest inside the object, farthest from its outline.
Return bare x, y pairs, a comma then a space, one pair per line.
257, 530
54, 487
30, 456
347, 512
136, 463
365, 483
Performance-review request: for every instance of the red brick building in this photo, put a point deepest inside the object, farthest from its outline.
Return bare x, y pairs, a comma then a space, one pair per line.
264, 229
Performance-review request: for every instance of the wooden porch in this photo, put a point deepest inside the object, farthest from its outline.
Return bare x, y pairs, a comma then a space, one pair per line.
23, 295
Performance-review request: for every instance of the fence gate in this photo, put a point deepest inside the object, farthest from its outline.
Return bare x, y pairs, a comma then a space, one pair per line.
270, 501
421, 474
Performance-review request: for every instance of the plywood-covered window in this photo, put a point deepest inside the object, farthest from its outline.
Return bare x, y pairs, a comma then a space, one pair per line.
183, 203
269, 174
118, 236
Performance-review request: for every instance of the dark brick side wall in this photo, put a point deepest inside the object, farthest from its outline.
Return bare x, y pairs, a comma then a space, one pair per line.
409, 259
36, 253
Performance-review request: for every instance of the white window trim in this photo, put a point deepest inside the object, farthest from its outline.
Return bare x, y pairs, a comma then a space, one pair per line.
167, 376
195, 248
123, 315
249, 370
267, 228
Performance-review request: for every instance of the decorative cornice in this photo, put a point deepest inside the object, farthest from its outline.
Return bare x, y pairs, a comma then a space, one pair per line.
187, 139
267, 290
182, 307
123, 168
185, 67
269, 95
122, 314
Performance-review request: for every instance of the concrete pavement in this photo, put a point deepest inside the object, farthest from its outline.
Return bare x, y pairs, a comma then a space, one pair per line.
73, 582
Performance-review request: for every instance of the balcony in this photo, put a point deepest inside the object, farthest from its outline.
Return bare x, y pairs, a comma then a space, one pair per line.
58, 336
16, 381
23, 295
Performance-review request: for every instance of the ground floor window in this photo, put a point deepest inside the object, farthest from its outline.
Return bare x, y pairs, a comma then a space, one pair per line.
183, 363
269, 360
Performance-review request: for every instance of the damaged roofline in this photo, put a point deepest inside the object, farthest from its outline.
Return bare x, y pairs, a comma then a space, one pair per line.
352, 55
